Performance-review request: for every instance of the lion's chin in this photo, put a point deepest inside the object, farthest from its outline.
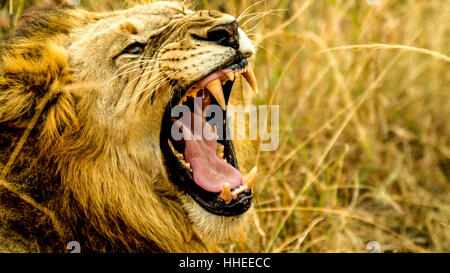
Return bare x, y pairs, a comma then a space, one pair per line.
210, 227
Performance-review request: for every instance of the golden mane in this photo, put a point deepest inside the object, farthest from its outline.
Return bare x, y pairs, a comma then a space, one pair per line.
38, 95
70, 170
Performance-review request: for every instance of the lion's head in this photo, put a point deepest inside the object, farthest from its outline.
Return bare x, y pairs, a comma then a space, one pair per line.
86, 121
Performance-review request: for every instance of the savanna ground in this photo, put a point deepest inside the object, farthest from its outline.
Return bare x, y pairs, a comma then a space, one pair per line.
364, 102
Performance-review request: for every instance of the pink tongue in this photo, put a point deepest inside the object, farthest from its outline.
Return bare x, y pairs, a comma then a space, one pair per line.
210, 172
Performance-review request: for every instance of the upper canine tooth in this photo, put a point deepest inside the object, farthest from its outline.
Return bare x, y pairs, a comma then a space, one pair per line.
226, 193
215, 87
249, 75
250, 178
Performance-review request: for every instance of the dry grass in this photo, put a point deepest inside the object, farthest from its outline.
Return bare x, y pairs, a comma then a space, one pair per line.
365, 134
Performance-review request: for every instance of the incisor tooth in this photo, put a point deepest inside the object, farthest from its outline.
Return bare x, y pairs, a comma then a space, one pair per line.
194, 93
226, 193
187, 165
230, 76
239, 190
250, 178
220, 148
251, 79
215, 87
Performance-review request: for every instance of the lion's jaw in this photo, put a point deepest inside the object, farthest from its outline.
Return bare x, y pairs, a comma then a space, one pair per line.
131, 94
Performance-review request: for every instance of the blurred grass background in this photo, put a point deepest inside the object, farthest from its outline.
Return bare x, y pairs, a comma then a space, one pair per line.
365, 133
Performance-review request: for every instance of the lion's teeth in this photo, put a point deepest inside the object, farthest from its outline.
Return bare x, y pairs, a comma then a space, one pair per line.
215, 87
230, 76
239, 190
220, 150
214, 128
249, 75
194, 93
226, 193
172, 148
182, 100
186, 165
250, 178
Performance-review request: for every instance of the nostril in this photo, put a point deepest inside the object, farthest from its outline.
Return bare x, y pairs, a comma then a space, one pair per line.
218, 34
226, 35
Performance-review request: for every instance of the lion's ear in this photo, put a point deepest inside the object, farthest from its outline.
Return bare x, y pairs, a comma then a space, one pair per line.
33, 82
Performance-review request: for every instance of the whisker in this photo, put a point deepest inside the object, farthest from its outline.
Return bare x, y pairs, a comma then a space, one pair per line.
262, 15
161, 82
130, 70
247, 10
155, 85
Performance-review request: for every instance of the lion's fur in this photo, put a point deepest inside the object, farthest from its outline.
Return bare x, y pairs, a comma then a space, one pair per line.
86, 170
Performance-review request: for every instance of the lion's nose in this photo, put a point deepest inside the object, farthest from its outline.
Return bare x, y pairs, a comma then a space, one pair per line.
225, 35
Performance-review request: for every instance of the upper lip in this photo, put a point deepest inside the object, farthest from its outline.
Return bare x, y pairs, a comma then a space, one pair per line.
230, 201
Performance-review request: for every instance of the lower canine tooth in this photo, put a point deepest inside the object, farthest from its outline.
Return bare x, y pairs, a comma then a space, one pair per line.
226, 193
249, 179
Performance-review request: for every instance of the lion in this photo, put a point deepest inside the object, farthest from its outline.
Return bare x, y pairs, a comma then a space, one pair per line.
86, 149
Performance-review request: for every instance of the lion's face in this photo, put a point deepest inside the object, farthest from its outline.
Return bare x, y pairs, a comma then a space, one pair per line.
145, 61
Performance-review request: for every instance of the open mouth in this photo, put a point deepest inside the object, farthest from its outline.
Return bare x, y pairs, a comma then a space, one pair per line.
203, 162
